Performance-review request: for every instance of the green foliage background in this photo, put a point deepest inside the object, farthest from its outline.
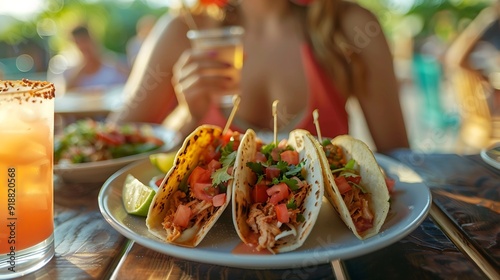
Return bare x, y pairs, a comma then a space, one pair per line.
113, 21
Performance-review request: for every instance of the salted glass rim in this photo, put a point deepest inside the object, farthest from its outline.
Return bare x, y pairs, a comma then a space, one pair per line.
36, 89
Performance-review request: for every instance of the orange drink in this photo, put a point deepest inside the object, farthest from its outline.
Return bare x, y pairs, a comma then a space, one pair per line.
26, 176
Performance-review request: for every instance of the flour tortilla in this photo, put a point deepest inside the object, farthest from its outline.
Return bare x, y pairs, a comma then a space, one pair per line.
186, 160
372, 180
241, 200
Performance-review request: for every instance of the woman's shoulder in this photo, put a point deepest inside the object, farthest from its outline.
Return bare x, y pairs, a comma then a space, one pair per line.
179, 23
170, 24
355, 16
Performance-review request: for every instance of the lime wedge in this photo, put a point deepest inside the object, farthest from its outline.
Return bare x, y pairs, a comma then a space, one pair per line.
163, 161
136, 196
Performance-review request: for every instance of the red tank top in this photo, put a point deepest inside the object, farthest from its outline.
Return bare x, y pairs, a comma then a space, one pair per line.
323, 96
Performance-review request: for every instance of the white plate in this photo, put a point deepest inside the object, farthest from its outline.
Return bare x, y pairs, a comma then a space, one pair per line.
98, 172
329, 240
491, 155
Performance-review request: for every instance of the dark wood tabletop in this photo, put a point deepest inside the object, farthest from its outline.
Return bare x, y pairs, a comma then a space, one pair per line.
460, 239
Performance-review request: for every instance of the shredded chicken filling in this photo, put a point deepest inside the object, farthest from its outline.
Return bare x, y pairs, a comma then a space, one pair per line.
201, 211
356, 201
263, 221
358, 206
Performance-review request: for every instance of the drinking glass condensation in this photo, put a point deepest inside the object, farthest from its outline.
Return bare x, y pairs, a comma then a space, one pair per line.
26, 176
227, 43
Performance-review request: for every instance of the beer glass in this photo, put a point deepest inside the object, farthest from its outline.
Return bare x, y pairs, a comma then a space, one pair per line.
227, 42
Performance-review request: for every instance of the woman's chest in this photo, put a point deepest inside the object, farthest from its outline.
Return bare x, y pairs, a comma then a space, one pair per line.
271, 73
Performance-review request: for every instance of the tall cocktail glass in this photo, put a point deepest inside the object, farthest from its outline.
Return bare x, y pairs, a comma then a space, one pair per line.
26, 176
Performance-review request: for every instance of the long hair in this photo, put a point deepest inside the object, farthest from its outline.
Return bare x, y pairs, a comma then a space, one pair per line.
330, 46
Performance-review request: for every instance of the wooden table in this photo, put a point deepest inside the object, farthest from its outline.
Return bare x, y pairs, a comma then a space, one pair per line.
87, 247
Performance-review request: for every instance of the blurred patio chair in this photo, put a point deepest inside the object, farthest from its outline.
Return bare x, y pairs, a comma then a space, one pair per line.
479, 128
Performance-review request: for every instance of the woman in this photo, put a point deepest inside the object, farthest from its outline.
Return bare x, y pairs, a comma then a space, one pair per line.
306, 54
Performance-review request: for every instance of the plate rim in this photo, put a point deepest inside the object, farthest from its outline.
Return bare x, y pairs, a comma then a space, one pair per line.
489, 160
279, 261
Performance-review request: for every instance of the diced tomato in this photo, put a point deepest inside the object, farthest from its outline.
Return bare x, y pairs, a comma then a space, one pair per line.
342, 184
275, 154
134, 138
219, 199
199, 175
158, 182
272, 172
390, 184
260, 157
282, 213
182, 216
230, 170
154, 140
113, 139
290, 157
355, 179
214, 165
283, 143
227, 137
204, 191
278, 193
259, 193
210, 154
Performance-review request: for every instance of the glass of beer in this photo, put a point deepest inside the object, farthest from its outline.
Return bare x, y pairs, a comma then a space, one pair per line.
26, 176
227, 43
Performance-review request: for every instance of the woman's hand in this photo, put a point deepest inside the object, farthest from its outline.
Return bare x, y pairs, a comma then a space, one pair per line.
199, 77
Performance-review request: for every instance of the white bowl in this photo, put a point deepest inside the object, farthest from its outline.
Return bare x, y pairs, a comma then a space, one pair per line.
98, 172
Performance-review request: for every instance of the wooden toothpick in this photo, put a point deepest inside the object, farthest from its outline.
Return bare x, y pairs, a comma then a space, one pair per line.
318, 130
275, 117
188, 17
236, 104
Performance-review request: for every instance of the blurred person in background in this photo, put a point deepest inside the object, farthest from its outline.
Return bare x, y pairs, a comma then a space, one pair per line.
308, 54
472, 64
95, 69
477, 47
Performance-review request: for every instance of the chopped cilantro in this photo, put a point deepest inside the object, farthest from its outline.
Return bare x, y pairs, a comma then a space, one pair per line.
256, 167
221, 175
300, 218
267, 149
291, 203
326, 142
291, 183
227, 149
295, 170
348, 167
282, 166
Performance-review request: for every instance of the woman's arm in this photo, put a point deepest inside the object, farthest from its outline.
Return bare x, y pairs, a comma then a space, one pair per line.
379, 95
149, 93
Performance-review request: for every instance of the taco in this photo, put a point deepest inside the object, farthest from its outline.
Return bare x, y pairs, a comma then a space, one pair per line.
197, 188
354, 184
277, 193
